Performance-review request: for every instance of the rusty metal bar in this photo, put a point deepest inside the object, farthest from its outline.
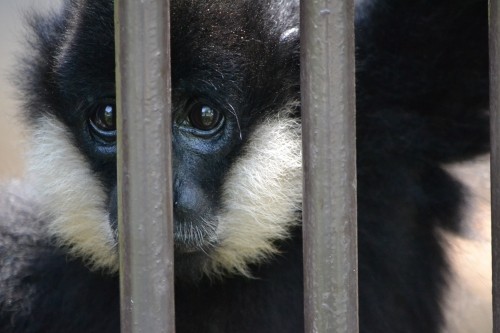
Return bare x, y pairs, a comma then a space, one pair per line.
495, 154
144, 168
329, 212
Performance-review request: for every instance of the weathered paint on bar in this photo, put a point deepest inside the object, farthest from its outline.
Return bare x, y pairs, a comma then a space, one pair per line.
329, 212
144, 168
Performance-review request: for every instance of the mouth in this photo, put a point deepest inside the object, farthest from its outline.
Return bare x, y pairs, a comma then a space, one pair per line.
193, 251
195, 237
196, 243
188, 249
192, 234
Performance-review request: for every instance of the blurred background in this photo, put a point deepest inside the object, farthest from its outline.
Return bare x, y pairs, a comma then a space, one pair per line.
469, 301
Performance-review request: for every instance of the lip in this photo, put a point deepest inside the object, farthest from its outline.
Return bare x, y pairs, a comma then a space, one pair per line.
186, 247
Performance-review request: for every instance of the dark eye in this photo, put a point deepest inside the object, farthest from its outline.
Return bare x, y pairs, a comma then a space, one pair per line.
203, 117
103, 121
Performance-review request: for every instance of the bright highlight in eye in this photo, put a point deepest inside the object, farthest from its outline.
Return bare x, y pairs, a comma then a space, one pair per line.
204, 117
207, 116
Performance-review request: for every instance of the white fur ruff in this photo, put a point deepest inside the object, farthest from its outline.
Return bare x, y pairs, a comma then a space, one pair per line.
72, 199
262, 197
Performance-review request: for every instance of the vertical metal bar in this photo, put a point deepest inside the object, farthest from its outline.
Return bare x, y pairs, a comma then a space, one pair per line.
329, 212
495, 154
144, 168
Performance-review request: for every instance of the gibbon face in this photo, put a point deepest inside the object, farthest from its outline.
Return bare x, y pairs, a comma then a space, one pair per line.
236, 130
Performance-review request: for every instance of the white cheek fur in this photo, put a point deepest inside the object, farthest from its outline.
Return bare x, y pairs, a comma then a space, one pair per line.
262, 197
72, 199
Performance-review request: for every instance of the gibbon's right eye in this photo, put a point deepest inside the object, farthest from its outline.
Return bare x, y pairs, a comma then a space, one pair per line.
202, 119
103, 121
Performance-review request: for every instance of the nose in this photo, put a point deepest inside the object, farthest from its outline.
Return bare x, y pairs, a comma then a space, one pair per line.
190, 202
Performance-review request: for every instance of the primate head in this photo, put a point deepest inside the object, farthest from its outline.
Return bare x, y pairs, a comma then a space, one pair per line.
236, 130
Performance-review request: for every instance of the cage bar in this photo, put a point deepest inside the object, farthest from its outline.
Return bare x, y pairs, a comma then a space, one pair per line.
495, 155
144, 168
329, 211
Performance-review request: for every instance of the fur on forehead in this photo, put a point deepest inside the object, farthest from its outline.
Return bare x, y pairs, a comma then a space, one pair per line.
49, 43
232, 22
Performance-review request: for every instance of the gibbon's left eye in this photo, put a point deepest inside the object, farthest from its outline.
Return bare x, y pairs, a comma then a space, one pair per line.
203, 117
103, 121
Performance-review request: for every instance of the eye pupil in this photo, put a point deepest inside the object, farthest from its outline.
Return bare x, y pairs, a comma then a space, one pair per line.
103, 121
104, 118
204, 117
109, 116
207, 116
